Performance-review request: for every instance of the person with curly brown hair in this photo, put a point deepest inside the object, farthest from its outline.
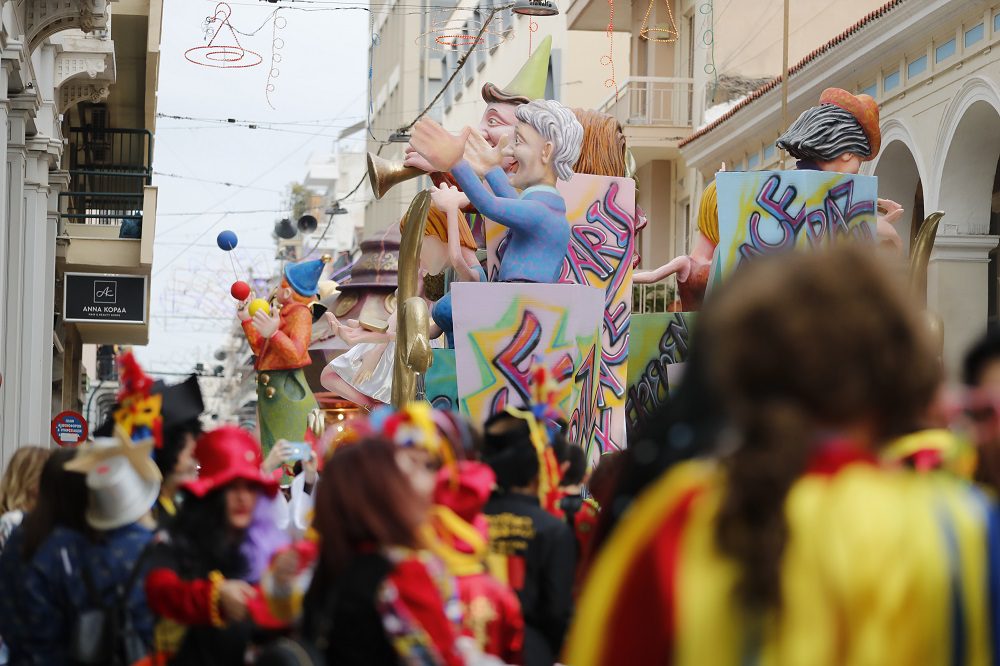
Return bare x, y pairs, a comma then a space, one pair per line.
790, 543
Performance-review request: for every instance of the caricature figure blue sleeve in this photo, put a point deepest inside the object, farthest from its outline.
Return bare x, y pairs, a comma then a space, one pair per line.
539, 231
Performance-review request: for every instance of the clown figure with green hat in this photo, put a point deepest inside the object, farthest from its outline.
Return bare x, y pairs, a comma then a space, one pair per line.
280, 341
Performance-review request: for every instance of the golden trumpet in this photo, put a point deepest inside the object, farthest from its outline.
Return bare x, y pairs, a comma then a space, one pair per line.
920, 256
383, 174
413, 347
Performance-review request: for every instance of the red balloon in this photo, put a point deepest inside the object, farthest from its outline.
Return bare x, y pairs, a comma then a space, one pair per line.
240, 290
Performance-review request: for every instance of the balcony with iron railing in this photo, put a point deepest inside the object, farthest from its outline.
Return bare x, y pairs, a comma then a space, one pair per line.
108, 212
652, 100
652, 298
655, 112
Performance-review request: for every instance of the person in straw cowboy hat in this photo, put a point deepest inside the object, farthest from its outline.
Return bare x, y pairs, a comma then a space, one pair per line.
123, 484
112, 484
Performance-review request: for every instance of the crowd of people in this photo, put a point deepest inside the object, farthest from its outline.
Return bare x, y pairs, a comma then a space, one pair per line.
811, 494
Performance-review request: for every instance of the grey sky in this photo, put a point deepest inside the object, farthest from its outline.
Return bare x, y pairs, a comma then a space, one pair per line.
322, 76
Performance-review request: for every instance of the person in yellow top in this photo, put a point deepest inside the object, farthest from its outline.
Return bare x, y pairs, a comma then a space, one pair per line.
791, 544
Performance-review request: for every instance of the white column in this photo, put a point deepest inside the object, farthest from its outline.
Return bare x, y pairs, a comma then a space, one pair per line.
5, 322
40, 271
957, 290
16, 292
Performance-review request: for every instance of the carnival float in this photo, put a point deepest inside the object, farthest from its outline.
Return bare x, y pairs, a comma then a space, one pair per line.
521, 256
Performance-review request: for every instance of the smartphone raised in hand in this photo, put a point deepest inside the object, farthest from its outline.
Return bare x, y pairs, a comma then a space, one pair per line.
300, 451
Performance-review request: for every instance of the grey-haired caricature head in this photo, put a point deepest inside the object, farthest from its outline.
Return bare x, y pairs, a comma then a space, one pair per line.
548, 136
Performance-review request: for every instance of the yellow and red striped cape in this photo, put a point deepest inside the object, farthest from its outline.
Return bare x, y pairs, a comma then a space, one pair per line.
882, 567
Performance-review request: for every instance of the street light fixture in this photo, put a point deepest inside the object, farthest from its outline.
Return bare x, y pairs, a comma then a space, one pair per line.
535, 7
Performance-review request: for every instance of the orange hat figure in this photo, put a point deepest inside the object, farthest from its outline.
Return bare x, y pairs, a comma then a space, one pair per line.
280, 341
838, 135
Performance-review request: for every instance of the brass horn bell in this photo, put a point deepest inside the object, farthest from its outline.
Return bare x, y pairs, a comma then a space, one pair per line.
383, 174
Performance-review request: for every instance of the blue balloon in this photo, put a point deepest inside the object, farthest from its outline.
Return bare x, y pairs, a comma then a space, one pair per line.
226, 240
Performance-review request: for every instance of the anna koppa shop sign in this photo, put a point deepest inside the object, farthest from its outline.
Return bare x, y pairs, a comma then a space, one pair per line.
104, 299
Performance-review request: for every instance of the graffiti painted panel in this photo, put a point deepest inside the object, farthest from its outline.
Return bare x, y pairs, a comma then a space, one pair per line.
762, 212
659, 342
601, 212
503, 329
440, 383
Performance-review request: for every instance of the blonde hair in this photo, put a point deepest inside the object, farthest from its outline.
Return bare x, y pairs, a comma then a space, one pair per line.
21, 478
708, 214
437, 226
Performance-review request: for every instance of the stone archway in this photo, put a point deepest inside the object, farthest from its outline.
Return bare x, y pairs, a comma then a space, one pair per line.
963, 275
899, 180
968, 171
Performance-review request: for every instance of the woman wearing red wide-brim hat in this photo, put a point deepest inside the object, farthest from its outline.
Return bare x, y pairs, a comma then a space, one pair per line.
204, 570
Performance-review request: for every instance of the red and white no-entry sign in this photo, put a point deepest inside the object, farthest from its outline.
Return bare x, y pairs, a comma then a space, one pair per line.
69, 429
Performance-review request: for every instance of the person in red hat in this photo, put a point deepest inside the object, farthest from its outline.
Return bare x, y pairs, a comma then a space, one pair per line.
201, 573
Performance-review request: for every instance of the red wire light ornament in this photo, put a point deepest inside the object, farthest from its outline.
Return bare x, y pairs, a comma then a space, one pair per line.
532, 28
226, 52
277, 43
456, 35
609, 59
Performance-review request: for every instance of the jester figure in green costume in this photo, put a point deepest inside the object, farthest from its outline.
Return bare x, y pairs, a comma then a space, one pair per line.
280, 341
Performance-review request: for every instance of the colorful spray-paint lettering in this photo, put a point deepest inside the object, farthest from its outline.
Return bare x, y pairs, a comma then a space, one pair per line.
659, 342
763, 212
503, 329
601, 212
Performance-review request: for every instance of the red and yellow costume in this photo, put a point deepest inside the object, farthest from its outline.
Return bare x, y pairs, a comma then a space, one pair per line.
881, 567
491, 612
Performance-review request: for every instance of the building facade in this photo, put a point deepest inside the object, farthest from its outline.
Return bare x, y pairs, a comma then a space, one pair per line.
931, 66
688, 59
78, 169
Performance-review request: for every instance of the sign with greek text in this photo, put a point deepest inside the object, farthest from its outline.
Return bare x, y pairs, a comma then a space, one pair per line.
96, 298
69, 429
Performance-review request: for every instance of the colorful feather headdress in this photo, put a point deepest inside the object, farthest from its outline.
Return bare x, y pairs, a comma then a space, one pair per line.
140, 410
543, 419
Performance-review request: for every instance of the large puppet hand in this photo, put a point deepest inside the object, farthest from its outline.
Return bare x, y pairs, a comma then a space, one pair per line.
449, 198
438, 146
369, 362
332, 322
412, 158
481, 155
884, 230
267, 325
